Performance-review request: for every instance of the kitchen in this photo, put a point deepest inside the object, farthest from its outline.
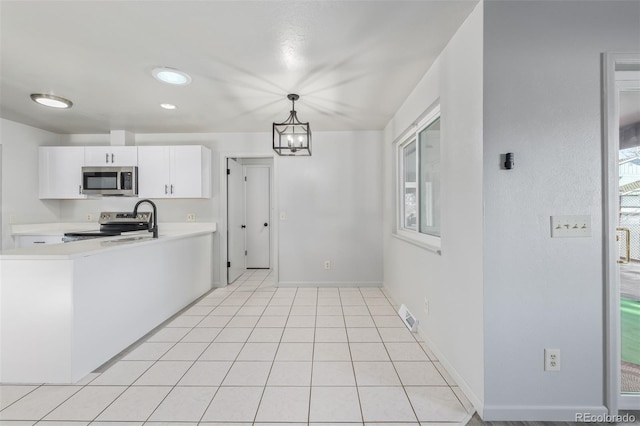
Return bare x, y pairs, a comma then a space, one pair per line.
361, 94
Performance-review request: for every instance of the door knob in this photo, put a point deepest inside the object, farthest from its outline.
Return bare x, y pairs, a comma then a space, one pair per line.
266, 224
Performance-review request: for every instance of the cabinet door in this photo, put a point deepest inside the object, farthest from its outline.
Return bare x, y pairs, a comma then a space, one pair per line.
154, 171
111, 156
124, 156
186, 171
60, 172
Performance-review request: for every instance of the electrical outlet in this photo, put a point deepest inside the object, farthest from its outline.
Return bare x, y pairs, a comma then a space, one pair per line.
283, 216
426, 306
89, 217
327, 264
191, 217
551, 359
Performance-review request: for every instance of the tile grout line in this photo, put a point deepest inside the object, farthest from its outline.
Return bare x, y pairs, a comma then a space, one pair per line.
239, 352
252, 291
353, 367
313, 354
404, 389
132, 384
264, 388
432, 362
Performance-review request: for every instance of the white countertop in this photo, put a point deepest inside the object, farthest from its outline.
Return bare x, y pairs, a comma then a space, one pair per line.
167, 232
52, 228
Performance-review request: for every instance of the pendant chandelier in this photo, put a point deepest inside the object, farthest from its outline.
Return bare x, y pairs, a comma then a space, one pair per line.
291, 137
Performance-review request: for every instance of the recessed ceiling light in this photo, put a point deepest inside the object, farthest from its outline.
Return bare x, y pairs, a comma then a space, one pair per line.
51, 100
168, 106
171, 76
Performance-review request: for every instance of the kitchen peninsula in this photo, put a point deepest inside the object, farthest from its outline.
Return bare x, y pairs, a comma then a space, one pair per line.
65, 309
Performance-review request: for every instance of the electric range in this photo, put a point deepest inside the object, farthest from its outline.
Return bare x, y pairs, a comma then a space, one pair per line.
114, 224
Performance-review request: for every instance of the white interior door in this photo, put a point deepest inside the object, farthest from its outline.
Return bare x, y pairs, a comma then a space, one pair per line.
258, 220
235, 221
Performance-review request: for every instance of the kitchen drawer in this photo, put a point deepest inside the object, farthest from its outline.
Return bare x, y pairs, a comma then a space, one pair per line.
22, 241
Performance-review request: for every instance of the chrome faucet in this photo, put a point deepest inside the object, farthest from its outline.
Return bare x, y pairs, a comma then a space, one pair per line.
155, 215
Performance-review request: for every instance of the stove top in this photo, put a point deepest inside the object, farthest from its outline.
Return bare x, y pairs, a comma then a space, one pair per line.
113, 224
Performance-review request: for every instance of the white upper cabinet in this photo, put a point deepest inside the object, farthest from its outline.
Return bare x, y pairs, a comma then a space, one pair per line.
111, 156
153, 171
174, 171
60, 172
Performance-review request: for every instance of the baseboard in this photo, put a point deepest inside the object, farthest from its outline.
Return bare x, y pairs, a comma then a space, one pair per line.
343, 284
462, 384
541, 413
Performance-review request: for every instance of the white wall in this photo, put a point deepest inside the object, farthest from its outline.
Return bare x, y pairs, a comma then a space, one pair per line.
542, 85
332, 201
452, 281
20, 177
333, 206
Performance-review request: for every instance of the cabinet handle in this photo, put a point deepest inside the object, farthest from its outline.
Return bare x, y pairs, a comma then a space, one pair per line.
106, 158
112, 158
38, 242
166, 189
80, 189
172, 188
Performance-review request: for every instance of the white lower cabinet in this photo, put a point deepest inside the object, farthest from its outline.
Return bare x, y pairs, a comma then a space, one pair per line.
60, 169
22, 241
174, 171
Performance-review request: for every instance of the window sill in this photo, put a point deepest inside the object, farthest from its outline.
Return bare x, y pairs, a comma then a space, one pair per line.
429, 247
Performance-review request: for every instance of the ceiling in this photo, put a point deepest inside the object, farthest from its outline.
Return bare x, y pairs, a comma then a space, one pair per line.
352, 62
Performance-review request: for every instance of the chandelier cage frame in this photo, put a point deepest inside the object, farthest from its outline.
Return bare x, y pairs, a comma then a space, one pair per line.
292, 137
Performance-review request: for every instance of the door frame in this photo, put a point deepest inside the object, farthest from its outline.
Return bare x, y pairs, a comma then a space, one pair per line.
240, 269
224, 155
271, 217
612, 62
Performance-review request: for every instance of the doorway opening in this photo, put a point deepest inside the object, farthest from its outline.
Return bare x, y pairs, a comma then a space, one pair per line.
249, 212
621, 74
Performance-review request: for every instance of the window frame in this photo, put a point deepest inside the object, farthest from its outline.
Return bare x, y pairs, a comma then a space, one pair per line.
427, 241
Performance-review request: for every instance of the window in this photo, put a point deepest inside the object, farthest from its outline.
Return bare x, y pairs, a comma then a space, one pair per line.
419, 183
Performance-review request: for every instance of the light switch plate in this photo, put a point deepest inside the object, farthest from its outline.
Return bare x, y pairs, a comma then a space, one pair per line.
570, 226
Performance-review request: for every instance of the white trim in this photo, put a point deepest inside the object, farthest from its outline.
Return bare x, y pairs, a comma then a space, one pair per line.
540, 412
415, 242
629, 401
410, 135
610, 193
462, 384
224, 155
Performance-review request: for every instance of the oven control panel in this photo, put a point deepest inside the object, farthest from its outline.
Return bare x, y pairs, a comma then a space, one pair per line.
124, 217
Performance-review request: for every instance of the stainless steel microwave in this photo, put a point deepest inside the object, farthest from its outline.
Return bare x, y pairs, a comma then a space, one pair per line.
121, 181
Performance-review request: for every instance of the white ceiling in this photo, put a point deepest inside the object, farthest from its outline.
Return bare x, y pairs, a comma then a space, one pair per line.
352, 62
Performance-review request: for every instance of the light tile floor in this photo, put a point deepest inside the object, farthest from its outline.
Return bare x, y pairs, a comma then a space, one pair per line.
254, 354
